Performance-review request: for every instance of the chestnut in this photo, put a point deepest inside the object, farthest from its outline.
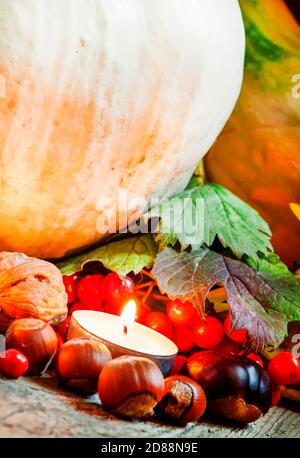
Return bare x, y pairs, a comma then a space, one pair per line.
36, 339
236, 389
130, 386
79, 363
183, 400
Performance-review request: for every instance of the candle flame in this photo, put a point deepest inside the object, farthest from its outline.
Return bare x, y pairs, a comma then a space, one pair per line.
128, 315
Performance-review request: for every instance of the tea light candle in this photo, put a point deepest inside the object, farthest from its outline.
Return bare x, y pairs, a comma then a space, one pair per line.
123, 336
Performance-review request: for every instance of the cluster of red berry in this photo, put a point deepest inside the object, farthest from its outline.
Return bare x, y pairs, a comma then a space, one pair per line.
181, 323
96, 292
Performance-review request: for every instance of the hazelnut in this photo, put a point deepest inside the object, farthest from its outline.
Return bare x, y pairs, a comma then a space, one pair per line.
36, 340
79, 363
183, 401
130, 386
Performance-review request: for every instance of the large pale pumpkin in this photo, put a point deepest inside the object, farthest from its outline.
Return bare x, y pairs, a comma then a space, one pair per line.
257, 155
105, 95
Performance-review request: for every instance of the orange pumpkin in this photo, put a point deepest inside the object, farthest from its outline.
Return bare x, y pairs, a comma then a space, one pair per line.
257, 156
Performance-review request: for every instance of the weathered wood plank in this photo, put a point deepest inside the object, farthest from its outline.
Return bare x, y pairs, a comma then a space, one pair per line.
37, 407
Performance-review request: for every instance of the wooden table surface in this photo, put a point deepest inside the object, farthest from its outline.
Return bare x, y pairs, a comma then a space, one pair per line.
37, 407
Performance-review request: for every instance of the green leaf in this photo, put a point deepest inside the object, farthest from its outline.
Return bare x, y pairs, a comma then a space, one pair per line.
128, 255
263, 302
180, 219
200, 214
284, 287
270, 263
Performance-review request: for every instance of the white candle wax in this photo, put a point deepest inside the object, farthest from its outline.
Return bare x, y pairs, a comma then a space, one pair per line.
139, 338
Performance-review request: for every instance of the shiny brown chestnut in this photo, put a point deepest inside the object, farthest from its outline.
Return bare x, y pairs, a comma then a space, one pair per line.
130, 386
36, 340
236, 389
183, 401
79, 363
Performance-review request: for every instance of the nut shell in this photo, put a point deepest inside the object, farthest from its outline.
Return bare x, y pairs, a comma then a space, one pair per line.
30, 288
130, 386
9, 259
36, 339
236, 409
183, 401
79, 363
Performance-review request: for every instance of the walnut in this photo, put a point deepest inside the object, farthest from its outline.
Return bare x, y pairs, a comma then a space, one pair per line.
30, 288
9, 260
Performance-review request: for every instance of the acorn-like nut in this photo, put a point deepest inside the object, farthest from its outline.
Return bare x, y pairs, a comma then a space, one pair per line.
79, 363
236, 389
36, 339
130, 386
183, 401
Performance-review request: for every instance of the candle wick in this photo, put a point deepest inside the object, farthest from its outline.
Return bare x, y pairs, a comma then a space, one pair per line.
125, 330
